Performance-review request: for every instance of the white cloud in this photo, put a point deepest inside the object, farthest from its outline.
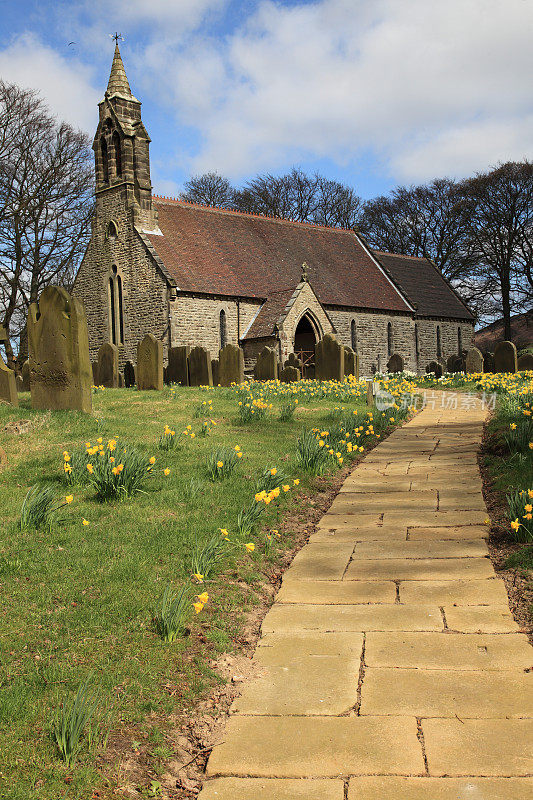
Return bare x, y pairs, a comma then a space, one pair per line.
429, 87
63, 82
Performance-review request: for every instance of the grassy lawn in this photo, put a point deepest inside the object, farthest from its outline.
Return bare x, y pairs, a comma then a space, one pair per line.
78, 600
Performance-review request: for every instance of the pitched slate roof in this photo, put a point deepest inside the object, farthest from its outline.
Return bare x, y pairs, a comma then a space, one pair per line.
269, 314
424, 285
216, 251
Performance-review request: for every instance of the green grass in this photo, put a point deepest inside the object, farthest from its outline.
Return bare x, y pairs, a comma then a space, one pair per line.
522, 559
79, 600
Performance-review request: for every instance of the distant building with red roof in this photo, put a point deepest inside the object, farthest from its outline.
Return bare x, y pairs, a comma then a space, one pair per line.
193, 274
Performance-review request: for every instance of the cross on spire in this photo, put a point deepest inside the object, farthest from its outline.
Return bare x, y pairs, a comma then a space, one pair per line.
117, 36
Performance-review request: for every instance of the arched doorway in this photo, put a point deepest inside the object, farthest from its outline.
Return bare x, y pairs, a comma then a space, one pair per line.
306, 336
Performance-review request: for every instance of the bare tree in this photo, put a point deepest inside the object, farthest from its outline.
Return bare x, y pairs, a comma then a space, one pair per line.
45, 204
210, 189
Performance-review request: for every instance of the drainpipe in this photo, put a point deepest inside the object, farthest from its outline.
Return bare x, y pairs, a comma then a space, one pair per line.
238, 304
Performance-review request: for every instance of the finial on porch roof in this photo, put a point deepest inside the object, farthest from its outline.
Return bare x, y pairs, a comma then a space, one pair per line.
304, 272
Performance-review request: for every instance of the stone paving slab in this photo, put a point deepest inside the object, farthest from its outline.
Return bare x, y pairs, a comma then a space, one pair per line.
371, 484
448, 651
274, 789
430, 519
479, 746
452, 500
278, 649
455, 532
469, 548
335, 528
305, 747
285, 618
480, 619
490, 591
328, 561
389, 788
336, 592
429, 569
443, 693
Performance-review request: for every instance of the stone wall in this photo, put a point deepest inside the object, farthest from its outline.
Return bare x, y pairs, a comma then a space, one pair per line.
305, 300
196, 320
449, 340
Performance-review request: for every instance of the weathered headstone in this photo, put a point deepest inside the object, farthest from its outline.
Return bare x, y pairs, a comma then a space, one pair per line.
505, 359
60, 367
230, 365
215, 371
25, 386
294, 361
129, 375
349, 361
370, 393
329, 359
525, 362
200, 373
108, 365
395, 363
474, 361
488, 362
289, 375
456, 364
121, 383
8, 385
434, 367
94, 369
150, 363
178, 367
266, 366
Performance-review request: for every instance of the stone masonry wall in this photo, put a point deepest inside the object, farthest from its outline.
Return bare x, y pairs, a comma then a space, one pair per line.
449, 338
305, 301
145, 294
196, 320
372, 337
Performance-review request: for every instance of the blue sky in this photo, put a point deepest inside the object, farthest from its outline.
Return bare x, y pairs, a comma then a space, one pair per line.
373, 92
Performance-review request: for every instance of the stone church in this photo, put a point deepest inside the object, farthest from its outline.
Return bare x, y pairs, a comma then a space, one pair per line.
197, 275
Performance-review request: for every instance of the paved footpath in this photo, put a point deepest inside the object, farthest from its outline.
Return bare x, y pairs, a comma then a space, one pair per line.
390, 667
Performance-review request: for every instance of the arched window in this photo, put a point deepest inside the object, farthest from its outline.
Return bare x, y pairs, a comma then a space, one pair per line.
105, 161
112, 311
417, 345
389, 339
223, 329
354, 335
120, 309
112, 230
459, 341
439, 349
118, 154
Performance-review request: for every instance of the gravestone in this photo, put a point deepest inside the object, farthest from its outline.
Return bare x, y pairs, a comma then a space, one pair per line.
8, 385
60, 367
505, 357
474, 361
200, 373
329, 359
230, 365
25, 386
294, 361
266, 366
108, 365
129, 375
121, 382
395, 363
94, 370
150, 363
456, 364
488, 362
434, 367
349, 361
215, 371
525, 362
289, 375
178, 366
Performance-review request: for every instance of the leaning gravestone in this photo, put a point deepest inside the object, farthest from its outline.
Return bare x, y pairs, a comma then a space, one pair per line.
488, 362
395, 363
60, 367
266, 366
215, 371
178, 365
108, 365
129, 375
434, 367
505, 357
525, 362
474, 361
8, 385
200, 373
230, 365
349, 361
329, 359
25, 386
150, 363
94, 369
289, 375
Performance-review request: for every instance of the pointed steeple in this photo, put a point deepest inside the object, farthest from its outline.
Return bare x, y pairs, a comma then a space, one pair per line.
118, 82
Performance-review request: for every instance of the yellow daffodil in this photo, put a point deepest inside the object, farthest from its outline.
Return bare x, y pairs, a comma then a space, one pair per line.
296, 481
273, 471
85, 522
198, 607
250, 546
99, 440
203, 598
224, 532
69, 498
239, 455
286, 487
166, 471
513, 426
90, 468
152, 460
199, 577
220, 464
515, 524
528, 508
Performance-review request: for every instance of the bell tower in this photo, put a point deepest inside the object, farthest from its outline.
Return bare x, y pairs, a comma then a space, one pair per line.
121, 150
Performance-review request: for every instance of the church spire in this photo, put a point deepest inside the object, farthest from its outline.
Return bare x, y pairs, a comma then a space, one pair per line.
118, 82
